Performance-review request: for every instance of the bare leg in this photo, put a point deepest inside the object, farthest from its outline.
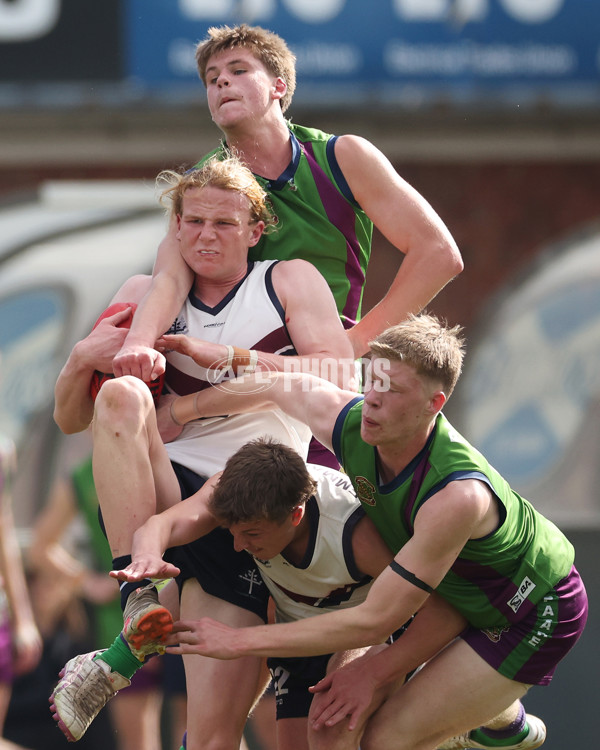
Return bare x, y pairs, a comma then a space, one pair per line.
132, 473
453, 693
136, 718
221, 694
262, 726
292, 734
339, 737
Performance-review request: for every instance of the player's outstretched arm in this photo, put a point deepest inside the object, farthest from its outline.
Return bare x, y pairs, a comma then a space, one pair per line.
310, 399
348, 692
183, 523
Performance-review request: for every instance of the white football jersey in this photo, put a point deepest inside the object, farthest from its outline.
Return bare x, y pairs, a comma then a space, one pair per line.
327, 578
251, 317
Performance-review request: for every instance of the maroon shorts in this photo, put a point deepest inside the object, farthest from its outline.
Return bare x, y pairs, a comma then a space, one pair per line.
529, 650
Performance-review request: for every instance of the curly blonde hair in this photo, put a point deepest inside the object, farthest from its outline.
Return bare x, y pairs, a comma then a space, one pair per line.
227, 173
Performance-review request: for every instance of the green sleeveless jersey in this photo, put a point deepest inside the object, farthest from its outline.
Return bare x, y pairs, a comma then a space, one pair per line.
318, 219
496, 580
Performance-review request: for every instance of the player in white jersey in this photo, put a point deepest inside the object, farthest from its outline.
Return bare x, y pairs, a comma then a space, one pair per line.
221, 211
252, 316
316, 549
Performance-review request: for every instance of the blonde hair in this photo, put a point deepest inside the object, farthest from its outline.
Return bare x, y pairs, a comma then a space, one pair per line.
227, 174
266, 46
427, 344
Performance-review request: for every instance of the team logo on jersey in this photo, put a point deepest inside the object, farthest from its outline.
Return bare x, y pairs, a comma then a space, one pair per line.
365, 490
179, 325
523, 591
253, 579
494, 634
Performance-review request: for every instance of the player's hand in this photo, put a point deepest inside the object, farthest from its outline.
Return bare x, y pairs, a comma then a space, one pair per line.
167, 428
346, 693
28, 646
204, 353
206, 637
146, 566
104, 341
142, 362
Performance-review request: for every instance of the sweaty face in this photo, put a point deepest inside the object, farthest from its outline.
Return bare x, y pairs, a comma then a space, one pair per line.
238, 86
215, 232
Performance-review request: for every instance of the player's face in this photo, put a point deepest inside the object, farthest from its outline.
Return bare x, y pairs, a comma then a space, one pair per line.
263, 539
238, 87
399, 404
215, 232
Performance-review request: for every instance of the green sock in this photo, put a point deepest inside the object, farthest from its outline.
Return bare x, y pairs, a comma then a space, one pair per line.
120, 659
484, 739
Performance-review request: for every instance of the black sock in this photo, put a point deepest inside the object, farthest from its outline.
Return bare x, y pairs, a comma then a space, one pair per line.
119, 563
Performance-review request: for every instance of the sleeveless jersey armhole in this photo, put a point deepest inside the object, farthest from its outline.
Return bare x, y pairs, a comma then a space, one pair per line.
338, 175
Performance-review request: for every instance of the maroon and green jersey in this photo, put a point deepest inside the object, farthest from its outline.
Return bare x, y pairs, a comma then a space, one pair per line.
318, 219
496, 580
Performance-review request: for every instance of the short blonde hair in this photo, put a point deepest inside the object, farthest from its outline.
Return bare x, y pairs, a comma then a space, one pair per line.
228, 174
427, 344
266, 46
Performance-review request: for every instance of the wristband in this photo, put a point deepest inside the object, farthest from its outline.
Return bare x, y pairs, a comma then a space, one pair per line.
246, 359
253, 361
230, 356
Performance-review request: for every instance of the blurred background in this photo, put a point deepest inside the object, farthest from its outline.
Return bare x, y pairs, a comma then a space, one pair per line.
490, 108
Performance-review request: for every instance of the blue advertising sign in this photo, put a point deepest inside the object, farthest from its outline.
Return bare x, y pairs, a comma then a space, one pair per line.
385, 51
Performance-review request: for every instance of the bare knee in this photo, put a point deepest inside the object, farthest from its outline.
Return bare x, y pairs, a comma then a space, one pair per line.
337, 737
213, 737
122, 404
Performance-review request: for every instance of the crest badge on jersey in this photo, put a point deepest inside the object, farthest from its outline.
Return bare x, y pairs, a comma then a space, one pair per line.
365, 490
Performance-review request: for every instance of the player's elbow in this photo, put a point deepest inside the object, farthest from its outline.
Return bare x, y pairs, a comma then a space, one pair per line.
452, 259
370, 627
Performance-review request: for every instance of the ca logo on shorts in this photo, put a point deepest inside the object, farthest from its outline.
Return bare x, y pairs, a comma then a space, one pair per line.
524, 590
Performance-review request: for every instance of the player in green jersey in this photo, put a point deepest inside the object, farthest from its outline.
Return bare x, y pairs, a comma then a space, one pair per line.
326, 191
456, 527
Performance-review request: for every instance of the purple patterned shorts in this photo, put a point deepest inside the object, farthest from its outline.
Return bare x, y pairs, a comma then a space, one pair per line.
528, 651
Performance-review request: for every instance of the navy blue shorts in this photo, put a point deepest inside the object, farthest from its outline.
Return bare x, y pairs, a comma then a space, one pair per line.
212, 560
292, 676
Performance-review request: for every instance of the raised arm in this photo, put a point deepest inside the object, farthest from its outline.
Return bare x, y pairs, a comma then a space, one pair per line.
407, 220
171, 281
181, 524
